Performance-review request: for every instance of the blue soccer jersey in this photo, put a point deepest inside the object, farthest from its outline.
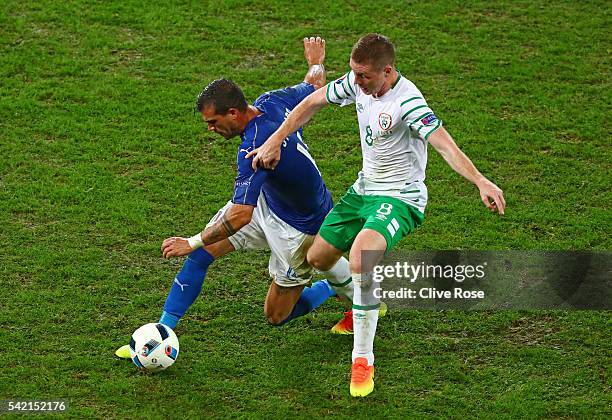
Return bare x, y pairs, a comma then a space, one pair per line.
294, 190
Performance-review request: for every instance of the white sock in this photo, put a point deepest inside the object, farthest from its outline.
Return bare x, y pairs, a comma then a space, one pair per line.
339, 277
365, 316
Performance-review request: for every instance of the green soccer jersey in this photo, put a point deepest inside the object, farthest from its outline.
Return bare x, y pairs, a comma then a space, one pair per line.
394, 130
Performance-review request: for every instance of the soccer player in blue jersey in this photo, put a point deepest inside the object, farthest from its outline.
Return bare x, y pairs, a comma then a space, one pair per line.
280, 209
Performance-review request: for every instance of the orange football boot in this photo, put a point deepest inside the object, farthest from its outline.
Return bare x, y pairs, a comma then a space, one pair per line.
362, 378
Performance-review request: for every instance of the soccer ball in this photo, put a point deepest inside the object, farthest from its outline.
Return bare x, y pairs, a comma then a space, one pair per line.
154, 347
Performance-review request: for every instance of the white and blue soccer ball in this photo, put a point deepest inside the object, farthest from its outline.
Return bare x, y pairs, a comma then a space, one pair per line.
154, 347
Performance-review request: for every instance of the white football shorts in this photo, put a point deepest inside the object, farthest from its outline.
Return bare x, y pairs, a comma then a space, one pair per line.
287, 266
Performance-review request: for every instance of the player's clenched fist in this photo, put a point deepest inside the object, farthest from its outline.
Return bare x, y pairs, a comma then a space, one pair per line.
175, 247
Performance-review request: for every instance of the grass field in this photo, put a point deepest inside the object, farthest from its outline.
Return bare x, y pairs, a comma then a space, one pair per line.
101, 158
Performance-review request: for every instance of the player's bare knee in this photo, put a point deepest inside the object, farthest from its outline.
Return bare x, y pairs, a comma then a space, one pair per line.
318, 261
275, 319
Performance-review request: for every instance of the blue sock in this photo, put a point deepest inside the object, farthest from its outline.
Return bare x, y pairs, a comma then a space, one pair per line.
311, 298
186, 287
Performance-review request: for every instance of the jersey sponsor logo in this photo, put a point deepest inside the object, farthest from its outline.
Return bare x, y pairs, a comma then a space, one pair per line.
247, 150
431, 118
384, 120
359, 107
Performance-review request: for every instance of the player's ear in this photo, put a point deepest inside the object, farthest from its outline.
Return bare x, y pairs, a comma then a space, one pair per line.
233, 112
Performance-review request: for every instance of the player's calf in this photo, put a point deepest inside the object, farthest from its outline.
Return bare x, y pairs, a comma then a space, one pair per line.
279, 310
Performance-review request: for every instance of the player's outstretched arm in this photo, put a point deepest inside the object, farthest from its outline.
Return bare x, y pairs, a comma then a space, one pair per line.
492, 196
237, 216
314, 51
268, 154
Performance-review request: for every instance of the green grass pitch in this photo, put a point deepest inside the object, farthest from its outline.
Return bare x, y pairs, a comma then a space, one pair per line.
101, 157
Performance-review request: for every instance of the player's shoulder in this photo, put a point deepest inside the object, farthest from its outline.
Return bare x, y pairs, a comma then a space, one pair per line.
347, 79
286, 94
407, 92
263, 100
261, 127
407, 87
271, 102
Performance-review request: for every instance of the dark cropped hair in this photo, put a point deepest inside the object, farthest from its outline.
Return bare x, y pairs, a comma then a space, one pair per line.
374, 49
223, 94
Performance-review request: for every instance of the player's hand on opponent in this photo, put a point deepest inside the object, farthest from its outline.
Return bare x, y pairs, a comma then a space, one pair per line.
492, 196
267, 155
314, 50
175, 247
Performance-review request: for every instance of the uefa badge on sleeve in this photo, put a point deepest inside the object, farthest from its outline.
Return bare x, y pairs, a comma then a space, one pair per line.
429, 119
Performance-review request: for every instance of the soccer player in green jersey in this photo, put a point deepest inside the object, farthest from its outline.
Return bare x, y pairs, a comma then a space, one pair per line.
387, 201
